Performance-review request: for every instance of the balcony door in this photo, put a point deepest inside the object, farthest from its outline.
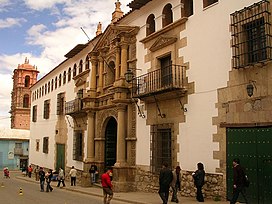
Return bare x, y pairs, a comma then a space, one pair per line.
166, 71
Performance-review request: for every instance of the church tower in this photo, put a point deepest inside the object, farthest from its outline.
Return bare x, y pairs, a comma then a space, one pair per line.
23, 78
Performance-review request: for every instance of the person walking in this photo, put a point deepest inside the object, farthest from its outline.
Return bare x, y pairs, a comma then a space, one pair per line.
107, 186
93, 172
238, 181
48, 177
36, 171
61, 178
42, 178
73, 173
199, 177
165, 179
29, 170
176, 183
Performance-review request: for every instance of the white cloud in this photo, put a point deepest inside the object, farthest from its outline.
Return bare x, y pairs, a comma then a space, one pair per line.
10, 22
41, 4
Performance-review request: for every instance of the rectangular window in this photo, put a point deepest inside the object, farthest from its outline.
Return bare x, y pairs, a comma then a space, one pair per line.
46, 109
161, 142
78, 146
60, 104
251, 38
18, 150
207, 3
37, 145
45, 145
34, 114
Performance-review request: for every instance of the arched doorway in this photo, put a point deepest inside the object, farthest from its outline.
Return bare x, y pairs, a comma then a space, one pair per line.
110, 142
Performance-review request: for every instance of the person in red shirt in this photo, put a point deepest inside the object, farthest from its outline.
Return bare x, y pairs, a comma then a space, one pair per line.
107, 186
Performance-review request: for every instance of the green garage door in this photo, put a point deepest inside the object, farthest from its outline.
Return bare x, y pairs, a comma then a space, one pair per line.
253, 146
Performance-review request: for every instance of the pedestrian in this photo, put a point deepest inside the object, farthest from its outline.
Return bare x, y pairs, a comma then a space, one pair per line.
238, 181
29, 170
107, 186
165, 179
48, 178
199, 177
36, 171
61, 178
6, 172
176, 183
73, 173
93, 172
42, 178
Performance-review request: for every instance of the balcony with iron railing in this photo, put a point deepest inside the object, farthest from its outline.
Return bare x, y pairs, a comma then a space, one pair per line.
74, 107
167, 79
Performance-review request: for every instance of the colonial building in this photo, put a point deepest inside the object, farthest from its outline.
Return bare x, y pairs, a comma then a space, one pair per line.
23, 78
180, 81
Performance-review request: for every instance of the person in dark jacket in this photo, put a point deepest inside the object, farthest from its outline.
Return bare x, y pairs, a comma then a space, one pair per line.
48, 178
42, 178
199, 176
238, 181
165, 179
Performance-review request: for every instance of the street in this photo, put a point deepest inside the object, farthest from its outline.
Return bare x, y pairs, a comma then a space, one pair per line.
10, 194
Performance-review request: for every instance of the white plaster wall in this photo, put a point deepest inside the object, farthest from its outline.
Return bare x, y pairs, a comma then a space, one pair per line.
208, 52
46, 128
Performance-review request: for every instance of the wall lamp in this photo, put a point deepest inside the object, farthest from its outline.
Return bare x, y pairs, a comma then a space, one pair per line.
250, 88
129, 75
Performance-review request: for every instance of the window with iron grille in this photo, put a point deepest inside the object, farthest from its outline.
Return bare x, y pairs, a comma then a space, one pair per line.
161, 143
45, 145
46, 109
60, 104
34, 113
78, 146
251, 38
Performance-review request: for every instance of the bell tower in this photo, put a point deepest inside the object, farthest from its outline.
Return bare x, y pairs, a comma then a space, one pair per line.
23, 78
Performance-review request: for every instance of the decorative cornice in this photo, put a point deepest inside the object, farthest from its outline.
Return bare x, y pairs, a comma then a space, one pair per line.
161, 42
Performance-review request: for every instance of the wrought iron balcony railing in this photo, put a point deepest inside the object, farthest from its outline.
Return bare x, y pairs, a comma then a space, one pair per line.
74, 106
161, 80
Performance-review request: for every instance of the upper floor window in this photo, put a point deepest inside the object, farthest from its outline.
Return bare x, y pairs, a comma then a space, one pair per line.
87, 63
69, 74
52, 84
207, 3
34, 113
80, 66
59, 80
42, 90
49, 87
56, 82
187, 8
26, 101
64, 77
251, 38
150, 24
27, 81
45, 89
78, 146
167, 15
74, 70
46, 109
60, 104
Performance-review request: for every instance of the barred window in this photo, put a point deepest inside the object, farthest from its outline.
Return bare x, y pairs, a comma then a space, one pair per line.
34, 113
78, 146
45, 145
60, 104
46, 109
251, 38
161, 142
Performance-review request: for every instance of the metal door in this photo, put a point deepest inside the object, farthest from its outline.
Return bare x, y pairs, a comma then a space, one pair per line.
253, 147
110, 142
60, 156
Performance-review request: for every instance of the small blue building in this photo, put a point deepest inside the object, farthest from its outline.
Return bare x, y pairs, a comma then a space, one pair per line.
14, 145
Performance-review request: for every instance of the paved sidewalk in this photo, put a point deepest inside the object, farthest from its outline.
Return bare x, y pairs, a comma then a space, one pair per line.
129, 197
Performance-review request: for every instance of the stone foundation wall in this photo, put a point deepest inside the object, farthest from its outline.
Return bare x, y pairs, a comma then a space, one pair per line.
213, 188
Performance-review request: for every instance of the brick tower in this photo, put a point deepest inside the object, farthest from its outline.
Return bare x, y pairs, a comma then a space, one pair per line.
23, 78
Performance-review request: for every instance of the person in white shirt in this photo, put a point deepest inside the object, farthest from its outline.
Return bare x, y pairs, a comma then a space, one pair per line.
73, 173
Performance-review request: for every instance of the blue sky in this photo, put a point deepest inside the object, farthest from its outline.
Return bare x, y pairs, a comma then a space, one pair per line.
40, 30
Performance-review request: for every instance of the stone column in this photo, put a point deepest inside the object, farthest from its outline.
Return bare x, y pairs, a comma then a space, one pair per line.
101, 69
90, 136
121, 136
93, 76
117, 64
124, 57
